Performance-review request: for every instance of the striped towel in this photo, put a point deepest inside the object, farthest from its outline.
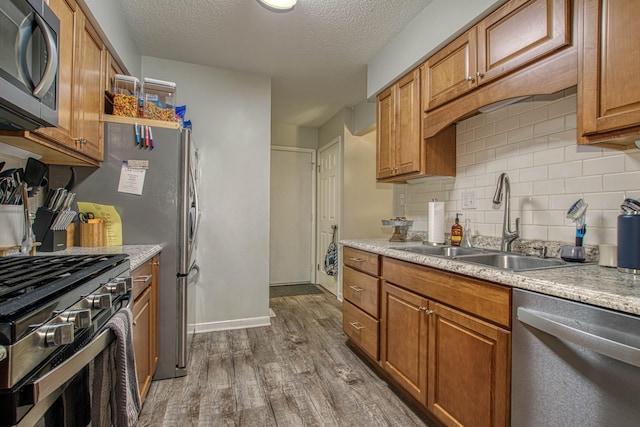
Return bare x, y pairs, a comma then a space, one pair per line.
116, 397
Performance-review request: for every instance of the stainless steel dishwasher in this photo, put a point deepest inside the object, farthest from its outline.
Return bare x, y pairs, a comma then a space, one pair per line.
573, 364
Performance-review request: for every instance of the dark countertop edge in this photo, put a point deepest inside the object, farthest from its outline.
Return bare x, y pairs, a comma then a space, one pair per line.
591, 284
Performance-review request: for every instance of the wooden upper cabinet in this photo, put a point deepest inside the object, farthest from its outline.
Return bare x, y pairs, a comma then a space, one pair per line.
609, 92
515, 35
90, 92
81, 71
519, 33
451, 71
399, 127
386, 133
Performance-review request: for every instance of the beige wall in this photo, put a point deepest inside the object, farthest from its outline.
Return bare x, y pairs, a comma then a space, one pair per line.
365, 203
294, 136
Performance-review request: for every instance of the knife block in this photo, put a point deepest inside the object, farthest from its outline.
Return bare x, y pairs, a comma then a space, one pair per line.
93, 234
54, 240
42, 223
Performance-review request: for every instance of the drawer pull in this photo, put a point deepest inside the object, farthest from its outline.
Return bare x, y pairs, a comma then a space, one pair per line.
425, 310
355, 288
356, 325
356, 259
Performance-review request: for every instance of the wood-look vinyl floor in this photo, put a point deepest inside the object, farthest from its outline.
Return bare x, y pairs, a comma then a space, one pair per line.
296, 372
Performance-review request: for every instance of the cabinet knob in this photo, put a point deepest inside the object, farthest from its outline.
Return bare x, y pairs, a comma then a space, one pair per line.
479, 75
425, 310
470, 79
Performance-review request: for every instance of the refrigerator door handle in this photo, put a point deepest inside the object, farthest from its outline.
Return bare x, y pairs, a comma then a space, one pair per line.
196, 206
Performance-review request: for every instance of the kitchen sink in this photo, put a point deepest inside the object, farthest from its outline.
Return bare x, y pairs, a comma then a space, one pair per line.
514, 262
501, 260
445, 251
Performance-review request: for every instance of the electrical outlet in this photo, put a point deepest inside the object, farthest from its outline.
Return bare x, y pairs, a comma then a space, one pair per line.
468, 200
401, 199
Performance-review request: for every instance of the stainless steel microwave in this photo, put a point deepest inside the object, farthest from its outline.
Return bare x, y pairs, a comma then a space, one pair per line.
29, 36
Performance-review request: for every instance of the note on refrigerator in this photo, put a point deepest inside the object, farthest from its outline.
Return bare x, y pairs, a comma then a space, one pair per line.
132, 176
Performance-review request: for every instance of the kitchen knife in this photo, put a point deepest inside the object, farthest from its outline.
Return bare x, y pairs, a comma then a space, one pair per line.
54, 198
60, 199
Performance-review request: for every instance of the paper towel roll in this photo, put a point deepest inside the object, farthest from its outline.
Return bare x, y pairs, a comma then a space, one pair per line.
436, 222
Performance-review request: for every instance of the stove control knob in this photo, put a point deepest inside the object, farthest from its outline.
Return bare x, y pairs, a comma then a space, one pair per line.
119, 286
80, 318
100, 301
59, 334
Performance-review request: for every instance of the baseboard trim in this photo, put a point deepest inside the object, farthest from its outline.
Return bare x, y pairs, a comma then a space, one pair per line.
226, 325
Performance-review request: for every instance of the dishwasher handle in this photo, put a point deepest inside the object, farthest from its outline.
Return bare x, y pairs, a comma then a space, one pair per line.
552, 325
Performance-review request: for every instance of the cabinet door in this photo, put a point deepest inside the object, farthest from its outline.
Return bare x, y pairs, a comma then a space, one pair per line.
469, 365
90, 92
153, 329
67, 11
403, 341
610, 93
451, 71
520, 32
408, 124
142, 317
386, 133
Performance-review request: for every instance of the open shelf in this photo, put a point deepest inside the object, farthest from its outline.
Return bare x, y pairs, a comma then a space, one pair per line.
144, 122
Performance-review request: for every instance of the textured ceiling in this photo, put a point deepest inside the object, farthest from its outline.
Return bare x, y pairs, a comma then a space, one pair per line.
316, 54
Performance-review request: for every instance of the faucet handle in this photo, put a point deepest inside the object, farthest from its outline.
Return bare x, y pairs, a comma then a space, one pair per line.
542, 249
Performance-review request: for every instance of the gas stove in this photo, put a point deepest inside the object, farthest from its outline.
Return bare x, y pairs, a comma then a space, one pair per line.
51, 307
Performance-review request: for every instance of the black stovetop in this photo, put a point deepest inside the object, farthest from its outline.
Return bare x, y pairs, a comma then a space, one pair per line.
27, 282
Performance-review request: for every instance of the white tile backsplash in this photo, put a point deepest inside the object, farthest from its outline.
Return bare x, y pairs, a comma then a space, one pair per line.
534, 141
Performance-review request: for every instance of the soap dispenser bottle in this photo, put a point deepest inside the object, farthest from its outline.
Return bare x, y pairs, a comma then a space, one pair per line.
456, 232
466, 234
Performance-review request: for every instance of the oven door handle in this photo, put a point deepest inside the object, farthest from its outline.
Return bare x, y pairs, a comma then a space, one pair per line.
53, 380
553, 326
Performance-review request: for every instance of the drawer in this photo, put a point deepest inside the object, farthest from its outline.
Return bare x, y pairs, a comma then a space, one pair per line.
487, 300
361, 328
141, 277
362, 290
361, 260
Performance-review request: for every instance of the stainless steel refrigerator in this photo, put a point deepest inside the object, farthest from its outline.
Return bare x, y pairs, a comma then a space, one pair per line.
166, 213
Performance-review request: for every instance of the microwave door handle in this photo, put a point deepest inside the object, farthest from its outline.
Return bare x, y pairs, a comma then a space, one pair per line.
22, 43
52, 60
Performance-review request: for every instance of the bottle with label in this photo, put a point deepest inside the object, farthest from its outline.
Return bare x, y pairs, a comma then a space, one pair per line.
456, 232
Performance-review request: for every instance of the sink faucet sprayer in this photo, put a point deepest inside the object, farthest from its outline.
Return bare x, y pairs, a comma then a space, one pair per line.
508, 236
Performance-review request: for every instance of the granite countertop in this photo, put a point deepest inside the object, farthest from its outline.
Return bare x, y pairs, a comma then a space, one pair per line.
138, 254
588, 283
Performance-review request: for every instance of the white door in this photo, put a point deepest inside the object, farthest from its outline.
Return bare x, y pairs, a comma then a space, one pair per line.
328, 208
292, 229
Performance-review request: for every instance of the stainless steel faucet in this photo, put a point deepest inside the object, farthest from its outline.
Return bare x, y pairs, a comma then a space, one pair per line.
508, 235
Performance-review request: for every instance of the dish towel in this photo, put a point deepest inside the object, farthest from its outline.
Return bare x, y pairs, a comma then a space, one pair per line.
116, 397
331, 259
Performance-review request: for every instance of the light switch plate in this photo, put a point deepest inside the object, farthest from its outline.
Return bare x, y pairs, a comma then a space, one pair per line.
468, 200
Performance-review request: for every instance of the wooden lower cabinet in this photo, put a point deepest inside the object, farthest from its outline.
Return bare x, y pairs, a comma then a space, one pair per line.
468, 369
444, 339
404, 339
145, 322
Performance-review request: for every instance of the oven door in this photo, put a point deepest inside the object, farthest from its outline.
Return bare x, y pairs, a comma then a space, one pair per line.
69, 380
29, 33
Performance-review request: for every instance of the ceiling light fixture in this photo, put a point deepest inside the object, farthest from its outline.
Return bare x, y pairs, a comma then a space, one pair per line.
278, 5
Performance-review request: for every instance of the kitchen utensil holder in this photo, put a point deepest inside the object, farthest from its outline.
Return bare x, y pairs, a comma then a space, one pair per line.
93, 234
